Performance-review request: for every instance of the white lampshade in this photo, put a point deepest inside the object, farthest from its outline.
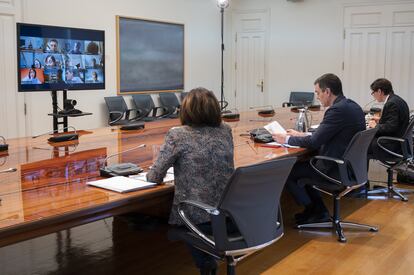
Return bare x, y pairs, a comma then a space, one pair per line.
222, 4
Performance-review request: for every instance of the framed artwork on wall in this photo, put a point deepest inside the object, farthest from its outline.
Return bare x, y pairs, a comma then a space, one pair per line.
150, 56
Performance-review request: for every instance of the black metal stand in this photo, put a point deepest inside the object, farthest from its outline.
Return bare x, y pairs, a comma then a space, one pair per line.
64, 119
222, 63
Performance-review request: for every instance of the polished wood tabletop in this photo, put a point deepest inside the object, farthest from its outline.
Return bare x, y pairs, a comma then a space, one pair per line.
48, 192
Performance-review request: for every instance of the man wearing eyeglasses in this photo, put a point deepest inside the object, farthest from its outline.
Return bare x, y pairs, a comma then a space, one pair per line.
394, 119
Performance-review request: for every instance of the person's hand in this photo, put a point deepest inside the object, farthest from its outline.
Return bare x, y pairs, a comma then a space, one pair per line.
294, 133
376, 118
372, 123
281, 138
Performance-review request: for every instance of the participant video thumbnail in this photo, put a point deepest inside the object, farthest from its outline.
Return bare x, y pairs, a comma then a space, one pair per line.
50, 60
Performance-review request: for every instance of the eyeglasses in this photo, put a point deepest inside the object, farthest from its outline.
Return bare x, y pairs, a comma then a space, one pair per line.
320, 92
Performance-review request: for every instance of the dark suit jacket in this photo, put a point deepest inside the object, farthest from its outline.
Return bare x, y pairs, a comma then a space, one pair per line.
340, 123
393, 122
395, 117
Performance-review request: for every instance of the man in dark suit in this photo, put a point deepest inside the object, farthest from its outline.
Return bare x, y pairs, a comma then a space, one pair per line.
341, 121
393, 121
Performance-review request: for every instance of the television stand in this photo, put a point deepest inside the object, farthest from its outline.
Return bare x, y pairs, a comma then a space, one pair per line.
59, 118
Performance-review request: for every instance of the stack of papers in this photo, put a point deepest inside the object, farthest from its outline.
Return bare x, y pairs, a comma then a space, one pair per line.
121, 184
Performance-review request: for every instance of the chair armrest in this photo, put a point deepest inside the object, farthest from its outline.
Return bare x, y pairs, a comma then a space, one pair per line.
338, 162
169, 110
287, 104
393, 139
121, 114
155, 110
136, 117
209, 209
225, 104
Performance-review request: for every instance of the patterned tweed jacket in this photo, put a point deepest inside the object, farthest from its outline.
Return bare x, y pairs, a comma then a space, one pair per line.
202, 158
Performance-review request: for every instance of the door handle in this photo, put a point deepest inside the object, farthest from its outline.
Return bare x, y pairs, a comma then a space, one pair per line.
261, 85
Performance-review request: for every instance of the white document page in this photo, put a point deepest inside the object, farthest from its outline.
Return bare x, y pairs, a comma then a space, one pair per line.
169, 177
275, 128
121, 184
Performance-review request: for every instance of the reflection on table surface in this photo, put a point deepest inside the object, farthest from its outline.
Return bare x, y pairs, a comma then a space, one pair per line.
49, 188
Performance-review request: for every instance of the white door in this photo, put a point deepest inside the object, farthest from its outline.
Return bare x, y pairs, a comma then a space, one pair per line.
363, 62
12, 122
250, 55
399, 60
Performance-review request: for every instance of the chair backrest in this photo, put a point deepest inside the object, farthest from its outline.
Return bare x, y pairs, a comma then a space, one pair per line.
144, 103
252, 198
408, 137
301, 98
355, 157
115, 103
169, 100
182, 95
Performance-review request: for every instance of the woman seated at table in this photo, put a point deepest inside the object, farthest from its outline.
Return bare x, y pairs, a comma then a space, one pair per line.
201, 152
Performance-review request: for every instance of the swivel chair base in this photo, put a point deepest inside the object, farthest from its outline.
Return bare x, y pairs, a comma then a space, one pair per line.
338, 225
389, 191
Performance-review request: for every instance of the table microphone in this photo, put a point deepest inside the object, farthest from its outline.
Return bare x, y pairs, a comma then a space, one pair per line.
61, 137
231, 115
57, 148
248, 143
10, 170
4, 146
269, 111
133, 126
120, 169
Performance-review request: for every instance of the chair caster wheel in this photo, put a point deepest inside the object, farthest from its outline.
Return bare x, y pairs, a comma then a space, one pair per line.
342, 239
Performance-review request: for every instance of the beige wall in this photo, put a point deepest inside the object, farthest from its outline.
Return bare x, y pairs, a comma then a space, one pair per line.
202, 47
306, 40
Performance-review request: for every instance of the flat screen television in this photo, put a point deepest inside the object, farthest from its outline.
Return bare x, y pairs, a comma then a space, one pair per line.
54, 58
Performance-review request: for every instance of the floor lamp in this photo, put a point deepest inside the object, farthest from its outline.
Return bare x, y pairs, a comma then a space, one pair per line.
222, 4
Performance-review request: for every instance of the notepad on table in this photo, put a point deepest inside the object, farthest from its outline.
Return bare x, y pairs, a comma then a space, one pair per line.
121, 184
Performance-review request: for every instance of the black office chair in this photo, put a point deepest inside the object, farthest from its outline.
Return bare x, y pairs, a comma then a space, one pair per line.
119, 114
145, 103
299, 99
170, 102
251, 201
223, 105
353, 174
395, 160
182, 95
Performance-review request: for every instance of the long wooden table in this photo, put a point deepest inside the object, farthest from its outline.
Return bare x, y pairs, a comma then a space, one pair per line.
48, 192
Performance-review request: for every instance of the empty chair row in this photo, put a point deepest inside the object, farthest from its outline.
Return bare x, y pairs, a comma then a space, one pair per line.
145, 109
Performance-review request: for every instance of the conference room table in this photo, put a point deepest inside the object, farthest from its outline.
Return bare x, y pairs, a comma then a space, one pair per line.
48, 192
